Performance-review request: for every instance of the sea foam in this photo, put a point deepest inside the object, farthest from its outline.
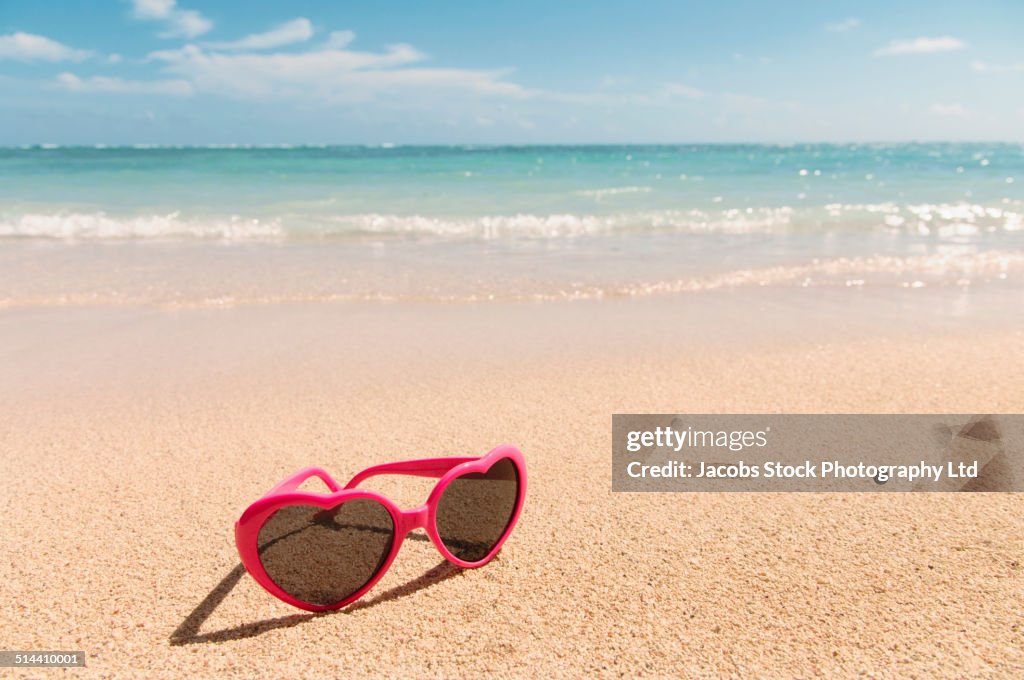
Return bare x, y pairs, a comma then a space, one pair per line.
942, 219
101, 226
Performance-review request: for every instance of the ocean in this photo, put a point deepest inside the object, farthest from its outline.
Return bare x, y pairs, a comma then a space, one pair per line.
226, 225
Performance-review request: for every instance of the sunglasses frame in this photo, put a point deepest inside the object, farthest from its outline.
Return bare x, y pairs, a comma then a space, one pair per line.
285, 493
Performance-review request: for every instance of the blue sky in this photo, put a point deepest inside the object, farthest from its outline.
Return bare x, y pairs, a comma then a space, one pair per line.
189, 72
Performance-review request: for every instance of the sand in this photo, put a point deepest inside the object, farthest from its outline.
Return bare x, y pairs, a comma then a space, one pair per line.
133, 438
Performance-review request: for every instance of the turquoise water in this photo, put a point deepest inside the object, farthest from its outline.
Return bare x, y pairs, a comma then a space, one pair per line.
499, 192
477, 223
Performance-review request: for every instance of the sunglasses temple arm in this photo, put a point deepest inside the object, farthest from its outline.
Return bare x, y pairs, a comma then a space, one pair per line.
295, 481
427, 467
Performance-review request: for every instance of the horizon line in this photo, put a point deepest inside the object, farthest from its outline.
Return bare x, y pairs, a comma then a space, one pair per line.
49, 146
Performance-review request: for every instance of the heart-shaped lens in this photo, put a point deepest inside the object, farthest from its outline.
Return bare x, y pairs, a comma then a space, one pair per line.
323, 556
476, 509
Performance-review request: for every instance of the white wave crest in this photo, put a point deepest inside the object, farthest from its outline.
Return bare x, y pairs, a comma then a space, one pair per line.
101, 226
943, 219
600, 194
527, 225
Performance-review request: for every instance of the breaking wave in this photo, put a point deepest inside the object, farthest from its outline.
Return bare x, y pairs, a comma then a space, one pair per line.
101, 226
942, 219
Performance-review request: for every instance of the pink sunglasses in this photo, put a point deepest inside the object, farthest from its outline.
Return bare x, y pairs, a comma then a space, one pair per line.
322, 551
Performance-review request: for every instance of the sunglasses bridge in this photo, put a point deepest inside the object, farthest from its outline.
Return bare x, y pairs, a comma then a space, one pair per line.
411, 520
406, 522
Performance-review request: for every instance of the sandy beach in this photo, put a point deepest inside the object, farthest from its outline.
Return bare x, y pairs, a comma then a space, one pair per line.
742, 282
133, 438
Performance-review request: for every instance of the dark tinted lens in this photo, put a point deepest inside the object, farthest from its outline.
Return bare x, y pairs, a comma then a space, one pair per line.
476, 508
323, 556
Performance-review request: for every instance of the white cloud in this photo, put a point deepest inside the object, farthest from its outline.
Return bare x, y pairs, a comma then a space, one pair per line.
985, 67
847, 24
920, 46
187, 24
339, 39
948, 110
669, 95
30, 47
329, 73
680, 90
153, 9
294, 31
72, 83
181, 23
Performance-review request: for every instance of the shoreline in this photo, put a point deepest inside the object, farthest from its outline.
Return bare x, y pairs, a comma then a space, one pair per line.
61, 349
212, 274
